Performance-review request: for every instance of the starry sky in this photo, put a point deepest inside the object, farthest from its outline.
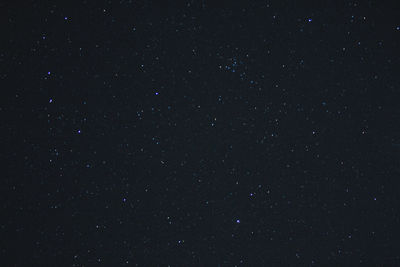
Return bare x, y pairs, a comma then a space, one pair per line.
200, 133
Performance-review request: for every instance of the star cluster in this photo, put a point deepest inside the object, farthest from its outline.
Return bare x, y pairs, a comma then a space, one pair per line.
261, 133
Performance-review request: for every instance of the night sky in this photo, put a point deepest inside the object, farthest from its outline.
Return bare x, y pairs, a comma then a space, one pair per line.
197, 133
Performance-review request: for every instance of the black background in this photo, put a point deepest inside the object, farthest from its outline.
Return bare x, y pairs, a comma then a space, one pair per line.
254, 133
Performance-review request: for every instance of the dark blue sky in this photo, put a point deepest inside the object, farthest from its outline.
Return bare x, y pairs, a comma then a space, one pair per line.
254, 133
